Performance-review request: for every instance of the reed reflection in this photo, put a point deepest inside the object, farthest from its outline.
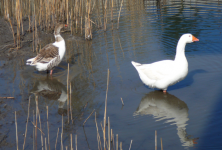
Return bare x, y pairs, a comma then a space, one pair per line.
166, 106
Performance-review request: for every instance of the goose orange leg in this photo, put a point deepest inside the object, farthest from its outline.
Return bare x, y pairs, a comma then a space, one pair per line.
164, 91
51, 72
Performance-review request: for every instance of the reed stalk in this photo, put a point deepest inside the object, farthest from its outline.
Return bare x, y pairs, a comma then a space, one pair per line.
33, 130
16, 131
76, 141
45, 144
70, 88
29, 16
117, 145
130, 144
67, 14
71, 141
155, 140
112, 14
119, 14
12, 30
108, 134
104, 120
81, 25
98, 136
42, 140
33, 29
161, 143
56, 138
105, 16
62, 134
120, 146
47, 108
26, 124
36, 36
68, 93
88, 117
113, 139
122, 101
36, 121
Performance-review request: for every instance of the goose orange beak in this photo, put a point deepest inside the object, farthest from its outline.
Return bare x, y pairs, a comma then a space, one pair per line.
66, 25
194, 39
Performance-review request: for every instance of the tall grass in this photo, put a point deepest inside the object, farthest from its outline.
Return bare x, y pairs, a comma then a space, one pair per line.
82, 16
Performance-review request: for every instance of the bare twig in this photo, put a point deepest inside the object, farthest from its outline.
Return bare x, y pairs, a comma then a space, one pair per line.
88, 117
37, 127
122, 101
8, 97
130, 144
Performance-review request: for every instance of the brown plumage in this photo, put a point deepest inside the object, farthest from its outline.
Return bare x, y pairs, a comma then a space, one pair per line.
46, 54
50, 55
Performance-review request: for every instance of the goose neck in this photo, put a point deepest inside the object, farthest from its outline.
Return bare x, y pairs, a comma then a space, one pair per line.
180, 51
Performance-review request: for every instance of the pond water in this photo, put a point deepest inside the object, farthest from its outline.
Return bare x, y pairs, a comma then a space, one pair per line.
187, 117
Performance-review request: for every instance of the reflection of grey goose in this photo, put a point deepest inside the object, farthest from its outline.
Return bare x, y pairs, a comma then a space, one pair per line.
166, 106
50, 55
164, 73
51, 89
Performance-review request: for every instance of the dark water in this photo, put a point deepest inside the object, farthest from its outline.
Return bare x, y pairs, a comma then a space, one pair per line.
187, 117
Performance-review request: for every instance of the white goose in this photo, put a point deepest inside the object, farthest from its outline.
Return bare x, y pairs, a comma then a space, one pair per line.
50, 55
164, 73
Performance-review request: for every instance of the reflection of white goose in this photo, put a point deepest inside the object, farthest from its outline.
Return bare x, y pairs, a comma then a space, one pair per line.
166, 106
51, 89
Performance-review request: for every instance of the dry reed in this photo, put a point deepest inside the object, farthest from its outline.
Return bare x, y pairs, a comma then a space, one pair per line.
117, 142
26, 124
56, 138
130, 144
161, 144
155, 140
68, 93
88, 117
119, 14
98, 136
47, 108
120, 146
16, 129
70, 97
122, 101
76, 141
104, 120
71, 141
62, 134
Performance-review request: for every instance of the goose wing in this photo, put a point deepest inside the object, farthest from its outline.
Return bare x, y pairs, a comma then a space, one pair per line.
46, 54
157, 70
